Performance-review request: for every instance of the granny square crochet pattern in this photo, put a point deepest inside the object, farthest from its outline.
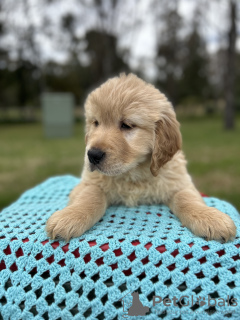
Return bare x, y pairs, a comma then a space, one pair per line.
141, 253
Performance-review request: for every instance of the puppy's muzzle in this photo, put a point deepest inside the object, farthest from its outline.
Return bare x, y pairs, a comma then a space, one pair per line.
95, 155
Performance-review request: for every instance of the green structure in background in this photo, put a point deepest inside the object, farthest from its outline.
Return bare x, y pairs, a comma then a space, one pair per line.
58, 114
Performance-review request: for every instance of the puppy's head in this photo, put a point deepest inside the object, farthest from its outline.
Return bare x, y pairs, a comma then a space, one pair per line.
127, 122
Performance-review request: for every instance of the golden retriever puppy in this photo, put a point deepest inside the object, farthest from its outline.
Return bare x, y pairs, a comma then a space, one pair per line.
133, 156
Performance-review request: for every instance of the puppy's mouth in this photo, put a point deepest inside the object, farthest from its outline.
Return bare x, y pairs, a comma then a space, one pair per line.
113, 171
94, 167
104, 165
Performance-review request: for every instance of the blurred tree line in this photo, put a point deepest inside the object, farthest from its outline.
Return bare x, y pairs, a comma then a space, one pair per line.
52, 45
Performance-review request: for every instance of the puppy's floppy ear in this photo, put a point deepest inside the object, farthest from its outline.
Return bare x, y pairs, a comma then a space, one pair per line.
168, 141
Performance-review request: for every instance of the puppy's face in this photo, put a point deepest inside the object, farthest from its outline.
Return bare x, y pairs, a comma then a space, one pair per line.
128, 121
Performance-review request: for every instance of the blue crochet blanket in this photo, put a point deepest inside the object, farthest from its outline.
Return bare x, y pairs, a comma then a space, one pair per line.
136, 263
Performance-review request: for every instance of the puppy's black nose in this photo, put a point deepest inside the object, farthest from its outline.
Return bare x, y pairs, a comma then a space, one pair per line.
95, 156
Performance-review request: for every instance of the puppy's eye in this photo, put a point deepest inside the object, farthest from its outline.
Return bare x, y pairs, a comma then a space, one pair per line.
96, 123
125, 126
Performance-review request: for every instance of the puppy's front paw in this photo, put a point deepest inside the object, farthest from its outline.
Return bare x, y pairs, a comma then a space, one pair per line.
66, 224
213, 224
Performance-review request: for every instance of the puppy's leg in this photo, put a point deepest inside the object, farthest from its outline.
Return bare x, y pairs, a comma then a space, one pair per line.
87, 205
202, 220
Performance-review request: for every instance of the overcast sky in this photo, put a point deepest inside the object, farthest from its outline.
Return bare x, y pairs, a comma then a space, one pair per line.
141, 40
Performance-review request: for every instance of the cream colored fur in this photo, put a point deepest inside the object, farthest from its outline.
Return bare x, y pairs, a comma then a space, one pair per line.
143, 165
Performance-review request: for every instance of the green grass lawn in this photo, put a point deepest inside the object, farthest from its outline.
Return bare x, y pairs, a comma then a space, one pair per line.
27, 158
213, 157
